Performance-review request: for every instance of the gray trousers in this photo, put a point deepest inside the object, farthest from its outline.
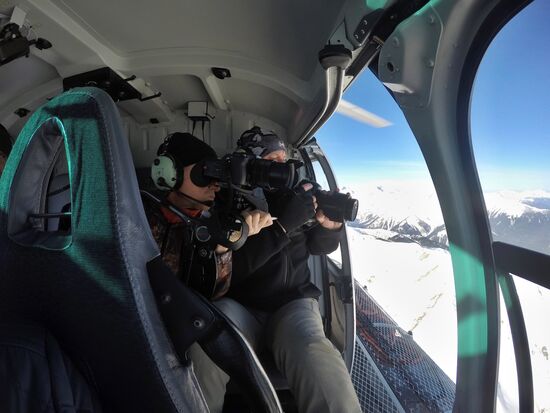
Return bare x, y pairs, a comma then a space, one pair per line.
294, 334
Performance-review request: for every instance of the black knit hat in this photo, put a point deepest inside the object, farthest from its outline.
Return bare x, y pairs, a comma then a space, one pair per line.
260, 142
186, 148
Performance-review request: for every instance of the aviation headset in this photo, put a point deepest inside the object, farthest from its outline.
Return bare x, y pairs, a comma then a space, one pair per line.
166, 171
167, 167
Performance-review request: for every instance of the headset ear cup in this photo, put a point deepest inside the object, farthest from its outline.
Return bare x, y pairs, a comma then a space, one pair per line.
166, 172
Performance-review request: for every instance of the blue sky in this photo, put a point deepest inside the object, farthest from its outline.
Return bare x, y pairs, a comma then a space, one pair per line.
510, 117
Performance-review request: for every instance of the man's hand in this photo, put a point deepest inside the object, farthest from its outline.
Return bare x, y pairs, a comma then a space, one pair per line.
220, 249
325, 222
297, 208
256, 220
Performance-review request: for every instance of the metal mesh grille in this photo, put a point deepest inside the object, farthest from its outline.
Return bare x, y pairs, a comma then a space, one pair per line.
414, 378
372, 391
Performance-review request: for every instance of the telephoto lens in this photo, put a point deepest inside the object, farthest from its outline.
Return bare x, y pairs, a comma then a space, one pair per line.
270, 175
245, 171
336, 206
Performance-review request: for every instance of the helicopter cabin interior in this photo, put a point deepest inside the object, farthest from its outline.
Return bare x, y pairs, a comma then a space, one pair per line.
216, 69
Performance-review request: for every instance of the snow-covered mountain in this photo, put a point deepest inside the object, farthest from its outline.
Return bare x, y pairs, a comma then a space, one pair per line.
392, 253
415, 286
409, 212
405, 212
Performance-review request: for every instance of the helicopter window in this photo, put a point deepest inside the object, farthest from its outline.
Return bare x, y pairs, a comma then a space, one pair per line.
320, 177
509, 131
510, 135
398, 243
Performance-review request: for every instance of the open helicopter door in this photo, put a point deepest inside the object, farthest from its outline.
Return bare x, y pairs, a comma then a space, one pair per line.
332, 273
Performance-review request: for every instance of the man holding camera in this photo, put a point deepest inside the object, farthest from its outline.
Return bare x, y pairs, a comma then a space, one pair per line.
173, 167
274, 302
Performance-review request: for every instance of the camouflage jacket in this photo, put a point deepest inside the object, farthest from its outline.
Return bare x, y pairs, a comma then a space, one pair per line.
210, 276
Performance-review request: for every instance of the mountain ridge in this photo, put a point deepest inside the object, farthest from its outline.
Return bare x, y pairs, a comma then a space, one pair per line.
410, 213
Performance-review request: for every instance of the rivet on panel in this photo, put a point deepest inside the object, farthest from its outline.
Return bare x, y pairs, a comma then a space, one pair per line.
198, 323
166, 298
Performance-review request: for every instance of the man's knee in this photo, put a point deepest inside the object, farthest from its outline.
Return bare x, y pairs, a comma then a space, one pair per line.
312, 365
298, 321
296, 334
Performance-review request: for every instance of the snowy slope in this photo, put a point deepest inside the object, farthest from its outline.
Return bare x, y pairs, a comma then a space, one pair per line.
415, 287
409, 212
398, 251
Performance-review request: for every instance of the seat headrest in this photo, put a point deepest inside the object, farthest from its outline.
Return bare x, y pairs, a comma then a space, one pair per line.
103, 185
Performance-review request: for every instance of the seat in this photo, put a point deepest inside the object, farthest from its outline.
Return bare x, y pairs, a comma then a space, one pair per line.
88, 283
36, 375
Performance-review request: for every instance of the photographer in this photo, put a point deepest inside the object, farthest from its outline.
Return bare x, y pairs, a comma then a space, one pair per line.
183, 151
273, 301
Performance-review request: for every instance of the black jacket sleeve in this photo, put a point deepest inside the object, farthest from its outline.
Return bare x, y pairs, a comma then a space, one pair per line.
323, 241
257, 250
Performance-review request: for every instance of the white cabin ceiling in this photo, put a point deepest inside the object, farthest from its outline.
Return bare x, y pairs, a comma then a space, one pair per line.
270, 47
284, 33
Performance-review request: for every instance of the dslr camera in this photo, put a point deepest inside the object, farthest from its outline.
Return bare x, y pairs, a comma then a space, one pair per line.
240, 174
245, 171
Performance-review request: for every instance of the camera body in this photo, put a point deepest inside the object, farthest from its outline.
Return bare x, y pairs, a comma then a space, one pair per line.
245, 171
242, 177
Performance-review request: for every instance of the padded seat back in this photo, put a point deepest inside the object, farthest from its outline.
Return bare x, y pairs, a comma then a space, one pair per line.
88, 285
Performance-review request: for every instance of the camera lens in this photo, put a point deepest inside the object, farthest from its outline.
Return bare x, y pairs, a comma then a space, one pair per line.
338, 207
270, 174
352, 206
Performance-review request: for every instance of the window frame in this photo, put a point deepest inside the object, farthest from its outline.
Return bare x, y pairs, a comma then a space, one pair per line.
333, 276
507, 258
